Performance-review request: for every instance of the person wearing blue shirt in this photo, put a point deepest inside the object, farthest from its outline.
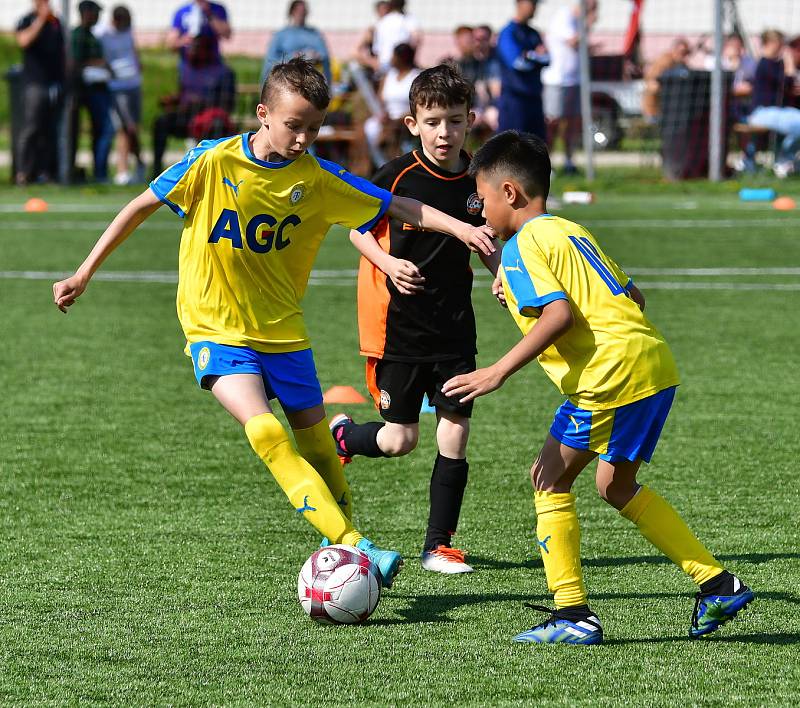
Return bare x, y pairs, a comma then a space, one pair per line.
198, 18
522, 56
298, 39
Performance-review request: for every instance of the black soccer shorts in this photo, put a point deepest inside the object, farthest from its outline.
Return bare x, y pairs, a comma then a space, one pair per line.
398, 387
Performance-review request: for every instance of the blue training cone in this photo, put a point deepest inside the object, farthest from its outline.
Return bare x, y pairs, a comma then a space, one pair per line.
426, 405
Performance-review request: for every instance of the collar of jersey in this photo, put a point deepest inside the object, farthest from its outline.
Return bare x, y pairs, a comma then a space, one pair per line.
263, 163
541, 216
437, 171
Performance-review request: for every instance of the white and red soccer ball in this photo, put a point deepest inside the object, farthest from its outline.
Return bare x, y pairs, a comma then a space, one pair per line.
339, 585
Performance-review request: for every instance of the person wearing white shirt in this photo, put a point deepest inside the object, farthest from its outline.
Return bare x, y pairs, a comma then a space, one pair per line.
395, 27
561, 80
393, 93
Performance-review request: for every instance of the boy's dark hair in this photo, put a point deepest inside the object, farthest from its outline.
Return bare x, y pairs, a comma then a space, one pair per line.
522, 157
442, 86
298, 76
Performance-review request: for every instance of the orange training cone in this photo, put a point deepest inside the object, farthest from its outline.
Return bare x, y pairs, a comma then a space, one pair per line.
784, 204
35, 204
343, 394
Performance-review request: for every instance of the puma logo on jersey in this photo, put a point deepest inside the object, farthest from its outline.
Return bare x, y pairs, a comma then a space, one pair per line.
234, 187
517, 267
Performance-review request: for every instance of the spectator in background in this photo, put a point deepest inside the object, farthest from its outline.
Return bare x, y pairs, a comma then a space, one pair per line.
562, 79
384, 132
201, 109
487, 83
737, 61
365, 53
771, 89
464, 58
395, 27
522, 56
91, 75
199, 18
298, 39
41, 38
675, 58
120, 52
794, 50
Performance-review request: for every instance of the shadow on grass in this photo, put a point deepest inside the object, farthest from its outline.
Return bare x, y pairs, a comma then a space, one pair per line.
781, 638
435, 608
755, 558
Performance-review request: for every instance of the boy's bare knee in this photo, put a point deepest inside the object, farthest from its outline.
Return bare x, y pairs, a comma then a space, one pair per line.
396, 440
615, 492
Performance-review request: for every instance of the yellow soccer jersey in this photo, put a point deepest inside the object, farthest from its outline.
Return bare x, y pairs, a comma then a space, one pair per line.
251, 233
612, 355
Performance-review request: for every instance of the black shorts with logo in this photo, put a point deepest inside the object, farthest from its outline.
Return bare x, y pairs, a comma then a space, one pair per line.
398, 387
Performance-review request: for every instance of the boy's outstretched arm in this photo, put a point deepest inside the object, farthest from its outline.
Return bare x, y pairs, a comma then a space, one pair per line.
422, 216
555, 320
404, 274
65, 292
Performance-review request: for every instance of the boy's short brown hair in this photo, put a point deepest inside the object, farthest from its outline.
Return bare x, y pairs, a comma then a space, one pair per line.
442, 86
298, 76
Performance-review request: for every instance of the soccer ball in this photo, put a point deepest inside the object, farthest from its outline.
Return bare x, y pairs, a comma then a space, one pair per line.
338, 585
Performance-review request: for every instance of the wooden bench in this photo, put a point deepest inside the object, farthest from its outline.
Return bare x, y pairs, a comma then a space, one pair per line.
747, 129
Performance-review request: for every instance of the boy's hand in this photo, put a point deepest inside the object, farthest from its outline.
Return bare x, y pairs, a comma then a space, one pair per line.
405, 276
478, 239
65, 292
498, 292
470, 386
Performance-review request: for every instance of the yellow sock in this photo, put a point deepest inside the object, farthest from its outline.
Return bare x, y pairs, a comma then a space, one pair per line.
667, 531
315, 444
300, 481
559, 538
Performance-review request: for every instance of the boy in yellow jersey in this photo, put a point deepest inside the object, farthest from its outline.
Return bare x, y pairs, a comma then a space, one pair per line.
256, 208
583, 318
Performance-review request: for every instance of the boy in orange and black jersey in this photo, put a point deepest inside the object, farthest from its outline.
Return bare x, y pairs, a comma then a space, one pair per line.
416, 323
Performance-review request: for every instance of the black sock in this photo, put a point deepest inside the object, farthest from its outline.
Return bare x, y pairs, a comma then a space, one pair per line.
448, 481
362, 439
574, 613
721, 584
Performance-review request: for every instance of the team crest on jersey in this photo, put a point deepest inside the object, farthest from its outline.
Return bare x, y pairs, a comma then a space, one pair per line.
202, 358
386, 400
474, 204
297, 193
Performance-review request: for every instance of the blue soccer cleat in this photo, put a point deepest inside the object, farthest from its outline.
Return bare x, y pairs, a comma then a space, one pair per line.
324, 543
712, 611
388, 562
557, 629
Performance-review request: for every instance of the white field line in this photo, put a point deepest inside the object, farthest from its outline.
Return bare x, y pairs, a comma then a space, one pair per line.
688, 223
41, 220
346, 278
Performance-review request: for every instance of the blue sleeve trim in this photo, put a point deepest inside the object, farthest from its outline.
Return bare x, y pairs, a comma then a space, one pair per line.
629, 284
155, 190
362, 185
520, 281
162, 185
541, 301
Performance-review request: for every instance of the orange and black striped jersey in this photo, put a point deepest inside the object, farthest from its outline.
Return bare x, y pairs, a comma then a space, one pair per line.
438, 323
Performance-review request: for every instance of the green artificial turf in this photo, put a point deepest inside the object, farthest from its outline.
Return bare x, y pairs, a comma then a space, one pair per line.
147, 558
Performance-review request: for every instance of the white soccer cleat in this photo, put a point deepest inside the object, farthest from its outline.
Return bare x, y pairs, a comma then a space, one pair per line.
442, 559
